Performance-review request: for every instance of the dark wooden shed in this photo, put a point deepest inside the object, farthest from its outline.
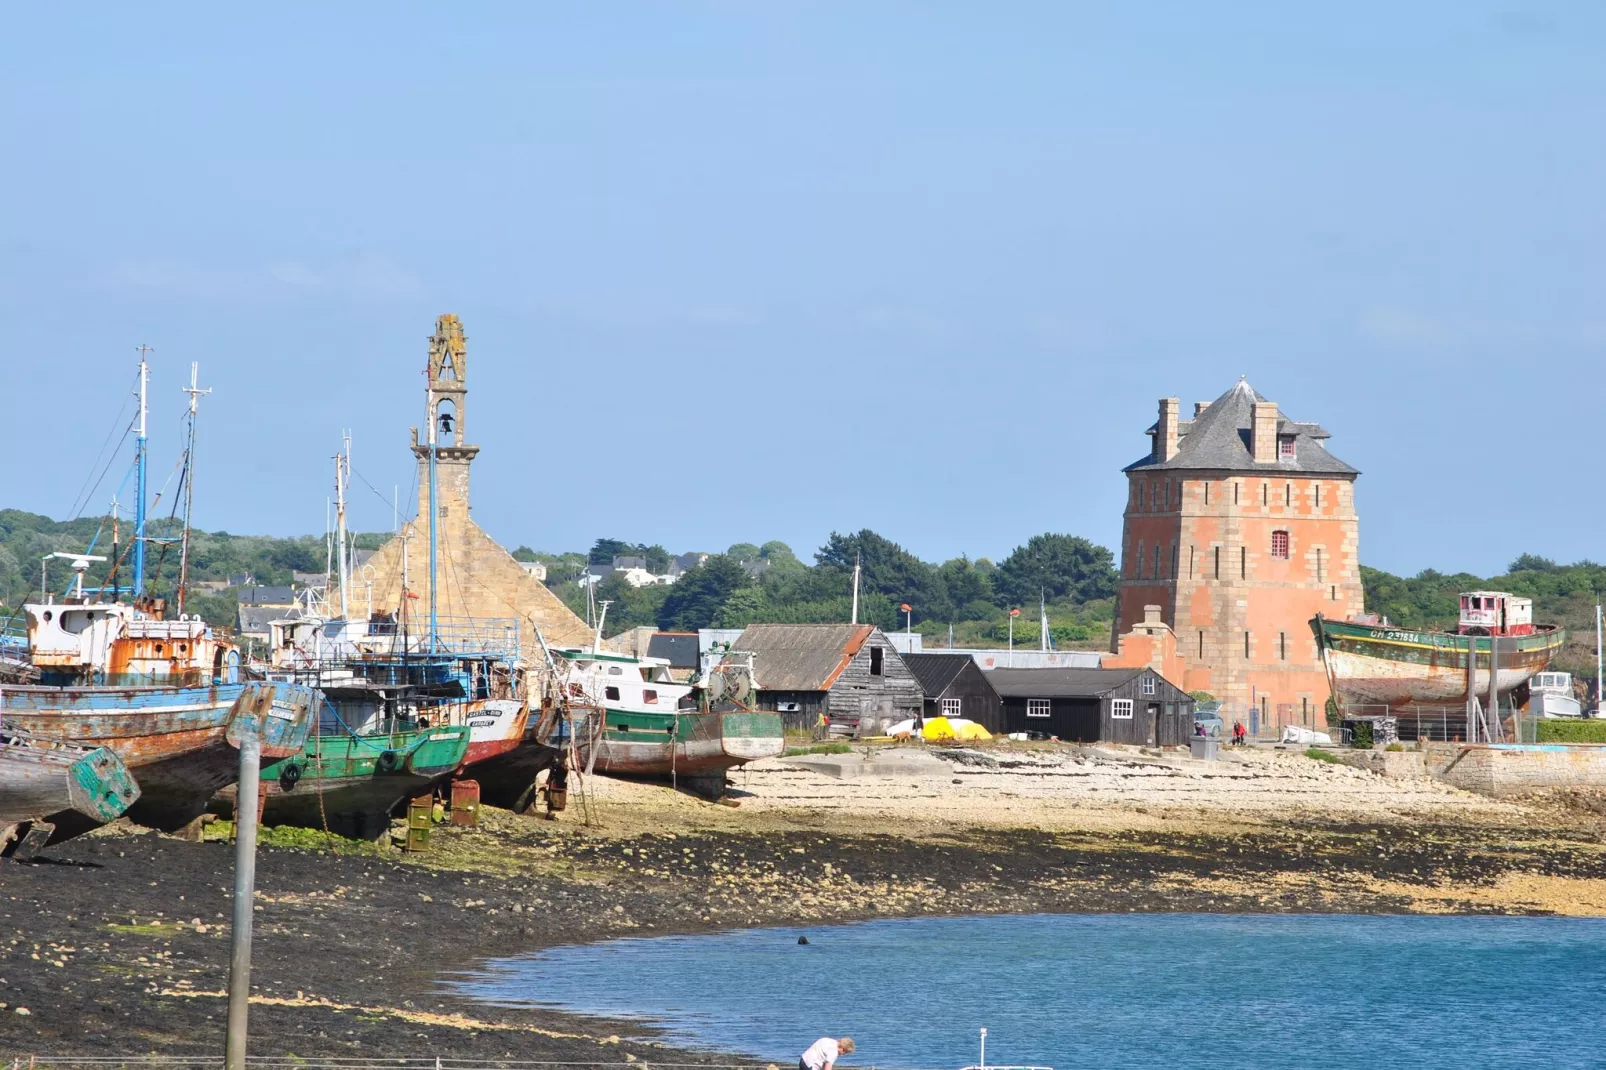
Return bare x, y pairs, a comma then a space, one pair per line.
1095, 705
955, 686
851, 672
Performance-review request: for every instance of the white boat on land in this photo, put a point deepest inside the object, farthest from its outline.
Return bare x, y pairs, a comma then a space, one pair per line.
1552, 697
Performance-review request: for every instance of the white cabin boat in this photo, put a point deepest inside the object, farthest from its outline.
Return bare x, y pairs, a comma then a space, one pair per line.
1552, 697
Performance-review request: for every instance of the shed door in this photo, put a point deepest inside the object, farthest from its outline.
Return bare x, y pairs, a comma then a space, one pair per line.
1152, 716
1077, 719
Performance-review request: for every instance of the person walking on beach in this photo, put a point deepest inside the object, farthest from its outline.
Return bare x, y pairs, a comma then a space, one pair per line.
823, 1053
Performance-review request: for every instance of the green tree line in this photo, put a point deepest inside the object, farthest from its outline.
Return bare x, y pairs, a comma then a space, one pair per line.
764, 582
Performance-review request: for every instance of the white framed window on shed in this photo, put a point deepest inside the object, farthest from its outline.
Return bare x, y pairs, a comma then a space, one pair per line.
1121, 708
1147, 685
950, 707
1037, 707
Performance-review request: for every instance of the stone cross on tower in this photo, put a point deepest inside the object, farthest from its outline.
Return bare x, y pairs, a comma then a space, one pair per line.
447, 402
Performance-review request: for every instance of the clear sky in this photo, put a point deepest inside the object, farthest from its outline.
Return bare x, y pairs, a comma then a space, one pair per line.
750, 271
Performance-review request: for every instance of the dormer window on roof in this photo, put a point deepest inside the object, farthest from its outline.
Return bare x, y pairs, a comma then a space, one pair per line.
1285, 447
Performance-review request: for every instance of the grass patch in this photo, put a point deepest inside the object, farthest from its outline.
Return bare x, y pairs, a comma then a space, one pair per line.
1395, 747
820, 748
1572, 731
1321, 755
299, 839
143, 930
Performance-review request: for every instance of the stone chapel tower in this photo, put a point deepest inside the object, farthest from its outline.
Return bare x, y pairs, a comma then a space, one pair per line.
477, 577
446, 405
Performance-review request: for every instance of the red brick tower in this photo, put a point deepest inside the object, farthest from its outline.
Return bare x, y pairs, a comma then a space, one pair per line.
1241, 527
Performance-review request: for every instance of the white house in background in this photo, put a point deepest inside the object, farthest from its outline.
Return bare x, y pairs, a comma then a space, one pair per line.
536, 570
637, 577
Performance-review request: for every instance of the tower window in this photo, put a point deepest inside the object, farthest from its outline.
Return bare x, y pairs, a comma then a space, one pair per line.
1176, 551
1140, 559
1207, 491
1235, 494
1265, 493
1191, 554
1218, 562
1246, 642
1201, 644
1279, 544
1321, 567
1155, 573
1243, 562
1282, 646
1288, 494
1318, 493
1333, 595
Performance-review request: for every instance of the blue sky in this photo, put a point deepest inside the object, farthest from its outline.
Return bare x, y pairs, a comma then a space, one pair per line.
750, 271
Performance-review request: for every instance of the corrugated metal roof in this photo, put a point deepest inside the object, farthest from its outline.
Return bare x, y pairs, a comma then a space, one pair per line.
801, 657
1059, 683
1220, 438
935, 671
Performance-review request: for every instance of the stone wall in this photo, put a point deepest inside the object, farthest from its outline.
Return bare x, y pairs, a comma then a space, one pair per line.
1513, 769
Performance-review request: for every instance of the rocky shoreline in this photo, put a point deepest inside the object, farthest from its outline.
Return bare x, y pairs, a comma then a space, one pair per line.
117, 944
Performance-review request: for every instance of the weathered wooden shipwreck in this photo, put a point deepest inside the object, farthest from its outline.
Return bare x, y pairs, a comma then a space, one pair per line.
42, 781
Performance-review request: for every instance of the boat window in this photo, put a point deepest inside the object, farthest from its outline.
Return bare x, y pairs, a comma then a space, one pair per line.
614, 670
611, 693
75, 623
649, 696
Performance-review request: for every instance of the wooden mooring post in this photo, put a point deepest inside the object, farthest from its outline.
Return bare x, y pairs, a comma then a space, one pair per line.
245, 872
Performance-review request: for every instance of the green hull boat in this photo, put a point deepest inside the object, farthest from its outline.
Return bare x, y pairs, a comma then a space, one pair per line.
350, 784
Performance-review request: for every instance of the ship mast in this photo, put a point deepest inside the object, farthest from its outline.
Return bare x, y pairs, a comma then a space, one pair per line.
140, 479
194, 392
342, 467
434, 512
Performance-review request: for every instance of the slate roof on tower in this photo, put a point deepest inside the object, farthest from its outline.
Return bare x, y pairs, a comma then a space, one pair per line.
1220, 438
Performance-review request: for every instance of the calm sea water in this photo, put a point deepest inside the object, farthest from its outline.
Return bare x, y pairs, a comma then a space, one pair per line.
1109, 991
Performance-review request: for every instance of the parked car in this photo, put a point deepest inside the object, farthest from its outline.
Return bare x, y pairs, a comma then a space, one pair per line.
1208, 714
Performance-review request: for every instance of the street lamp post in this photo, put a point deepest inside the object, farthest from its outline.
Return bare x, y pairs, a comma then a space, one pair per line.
1012, 615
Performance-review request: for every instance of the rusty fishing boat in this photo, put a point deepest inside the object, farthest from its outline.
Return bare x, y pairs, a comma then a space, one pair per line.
406, 707
631, 716
43, 780
166, 696
1371, 662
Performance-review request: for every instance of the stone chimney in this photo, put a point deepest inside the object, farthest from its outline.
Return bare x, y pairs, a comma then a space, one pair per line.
1263, 432
1151, 615
1199, 407
1165, 432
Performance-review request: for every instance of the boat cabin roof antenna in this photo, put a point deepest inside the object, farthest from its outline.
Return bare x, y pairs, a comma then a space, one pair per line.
602, 615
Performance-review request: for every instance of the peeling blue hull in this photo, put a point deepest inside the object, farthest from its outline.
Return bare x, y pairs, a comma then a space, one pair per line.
180, 743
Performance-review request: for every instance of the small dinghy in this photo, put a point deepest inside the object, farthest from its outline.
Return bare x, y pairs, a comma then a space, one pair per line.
43, 780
